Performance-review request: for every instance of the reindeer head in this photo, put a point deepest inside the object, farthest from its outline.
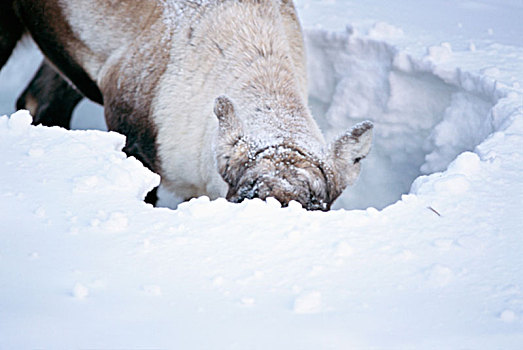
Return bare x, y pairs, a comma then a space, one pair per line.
285, 170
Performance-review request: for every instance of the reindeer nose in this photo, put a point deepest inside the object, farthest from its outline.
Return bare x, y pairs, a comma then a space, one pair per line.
254, 194
268, 187
239, 197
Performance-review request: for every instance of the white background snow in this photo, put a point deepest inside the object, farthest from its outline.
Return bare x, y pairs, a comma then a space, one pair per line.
425, 251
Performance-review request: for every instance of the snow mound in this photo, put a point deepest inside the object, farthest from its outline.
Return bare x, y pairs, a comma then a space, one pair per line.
75, 226
424, 116
40, 148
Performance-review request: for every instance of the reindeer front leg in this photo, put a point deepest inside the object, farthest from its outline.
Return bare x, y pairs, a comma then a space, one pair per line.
129, 114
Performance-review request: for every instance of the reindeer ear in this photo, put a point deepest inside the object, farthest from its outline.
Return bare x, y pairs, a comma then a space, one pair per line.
230, 127
348, 150
224, 111
230, 151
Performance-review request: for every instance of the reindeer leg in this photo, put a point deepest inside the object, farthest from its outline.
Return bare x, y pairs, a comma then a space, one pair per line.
11, 30
123, 116
50, 98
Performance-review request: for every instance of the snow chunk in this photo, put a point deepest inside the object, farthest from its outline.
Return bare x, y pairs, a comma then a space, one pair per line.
40, 212
152, 290
36, 152
492, 72
452, 184
218, 281
20, 121
440, 276
85, 183
466, 122
444, 243
116, 222
308, 303
343, 250
467, 163
402, 62
440, 53
80, 291
508, 316
247, 301
382, 30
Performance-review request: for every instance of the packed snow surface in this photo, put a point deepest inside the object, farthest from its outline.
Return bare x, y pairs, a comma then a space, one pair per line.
429, 259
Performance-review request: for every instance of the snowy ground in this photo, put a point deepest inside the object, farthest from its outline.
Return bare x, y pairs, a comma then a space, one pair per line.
85, 264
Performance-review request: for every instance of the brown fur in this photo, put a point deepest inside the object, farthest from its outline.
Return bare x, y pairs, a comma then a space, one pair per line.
57, 42
131, 115
11, 30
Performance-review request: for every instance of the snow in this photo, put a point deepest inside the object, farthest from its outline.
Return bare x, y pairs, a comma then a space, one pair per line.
430, 258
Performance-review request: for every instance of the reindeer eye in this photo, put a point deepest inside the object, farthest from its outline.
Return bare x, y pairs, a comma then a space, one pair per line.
357, 160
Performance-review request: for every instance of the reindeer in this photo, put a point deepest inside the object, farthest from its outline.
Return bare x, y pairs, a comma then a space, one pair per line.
211, 94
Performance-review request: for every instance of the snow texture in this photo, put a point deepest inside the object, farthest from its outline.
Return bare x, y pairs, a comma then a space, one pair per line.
430, 260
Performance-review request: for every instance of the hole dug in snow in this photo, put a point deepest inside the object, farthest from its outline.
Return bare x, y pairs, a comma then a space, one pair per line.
421, 122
